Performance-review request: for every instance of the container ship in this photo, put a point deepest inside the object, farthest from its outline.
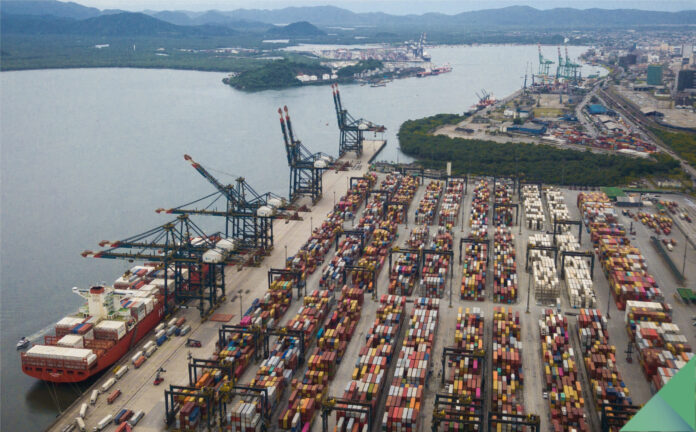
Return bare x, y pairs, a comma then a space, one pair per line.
103, 330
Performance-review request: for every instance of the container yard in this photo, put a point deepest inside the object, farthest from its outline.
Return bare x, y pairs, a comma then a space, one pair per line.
327, 324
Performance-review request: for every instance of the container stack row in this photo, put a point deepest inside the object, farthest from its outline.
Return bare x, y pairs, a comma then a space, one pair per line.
505, 282
403, 195
662, 348
503, 195
419, 236
606, 384
435, 265
507, 376
560, 372
558, 210
369, 374
576, 273
427, 208
405, 396
451, 202
545, 279
404, 274
308, 392
623, 264
347, 254
474, 271
312, 253
465, 380
533, 210
478, 220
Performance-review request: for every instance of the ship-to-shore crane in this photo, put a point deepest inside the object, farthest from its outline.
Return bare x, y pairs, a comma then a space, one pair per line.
352, 130
248, 214
306, 168
180, 246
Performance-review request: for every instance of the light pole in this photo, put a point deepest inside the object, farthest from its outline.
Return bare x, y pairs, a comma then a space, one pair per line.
608, 302
241, 312
286, 254
686, 243
334, 199
311, 223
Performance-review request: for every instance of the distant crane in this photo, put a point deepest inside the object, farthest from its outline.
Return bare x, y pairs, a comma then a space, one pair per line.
352, 130
544, 65
306, 168
197, 260
572, 69
248, 214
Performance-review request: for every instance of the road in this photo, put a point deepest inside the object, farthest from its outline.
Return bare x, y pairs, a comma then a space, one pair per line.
639, 121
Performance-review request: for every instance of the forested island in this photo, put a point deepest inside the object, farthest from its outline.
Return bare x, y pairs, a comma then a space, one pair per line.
533, 162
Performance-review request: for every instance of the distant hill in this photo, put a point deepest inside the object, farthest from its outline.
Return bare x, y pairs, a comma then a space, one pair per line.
513, 16
48, 7
298, 29
126, 24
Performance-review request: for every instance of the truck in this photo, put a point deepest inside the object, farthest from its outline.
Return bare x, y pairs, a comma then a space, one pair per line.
107, 385
93, 398
121, 371
136, 418
113, 396
80, 424
103, 423
83, 411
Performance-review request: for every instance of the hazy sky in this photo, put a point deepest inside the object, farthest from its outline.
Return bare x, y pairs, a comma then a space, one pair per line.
399, 7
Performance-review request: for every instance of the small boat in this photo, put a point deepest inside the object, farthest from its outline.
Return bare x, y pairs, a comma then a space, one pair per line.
23, 343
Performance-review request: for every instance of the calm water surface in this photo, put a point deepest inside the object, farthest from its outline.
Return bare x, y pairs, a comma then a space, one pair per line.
88, 154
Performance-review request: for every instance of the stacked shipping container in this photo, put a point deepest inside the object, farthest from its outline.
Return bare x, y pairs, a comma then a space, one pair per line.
451, 202
504, 266
623, 264
508, 379
368, 377
576, 273
546, 286
533, 210
427, 208
405, 397
662, 348
561, 379
600, 360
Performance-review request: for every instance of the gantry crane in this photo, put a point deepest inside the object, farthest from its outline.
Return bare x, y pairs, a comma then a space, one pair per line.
181, 246
248, 214
572, 69
352, 130
306, 168
544, 65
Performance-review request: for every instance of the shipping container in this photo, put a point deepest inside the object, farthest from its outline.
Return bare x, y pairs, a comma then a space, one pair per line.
507, 376
83, 410
113, 396
560, 374
103, 423
136, 418
478, 219
405, 394
107, 385
533, 209
93, 397
80, 424
427, 208
505, 284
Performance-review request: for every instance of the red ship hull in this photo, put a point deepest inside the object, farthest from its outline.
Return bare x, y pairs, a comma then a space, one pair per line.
112, 355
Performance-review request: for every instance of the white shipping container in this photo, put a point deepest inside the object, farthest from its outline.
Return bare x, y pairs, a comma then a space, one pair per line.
93, 398
159, 327
104, 422
172, 322
71, 341
150, 351
83, 410
80, 424
107, 385
136, 356
121, 371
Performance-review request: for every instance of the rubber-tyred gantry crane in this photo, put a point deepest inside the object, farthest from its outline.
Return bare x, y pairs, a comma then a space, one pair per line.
352, 130
180, 246
248, 214
306, 168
